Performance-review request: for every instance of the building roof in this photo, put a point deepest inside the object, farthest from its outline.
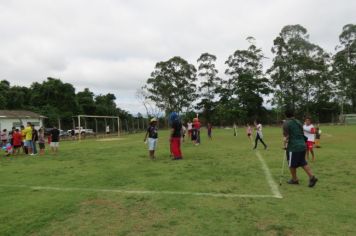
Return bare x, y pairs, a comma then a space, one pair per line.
19, 114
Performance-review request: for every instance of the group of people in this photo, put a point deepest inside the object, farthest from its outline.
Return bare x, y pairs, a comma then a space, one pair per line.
298, 140
177, 135
26, 139
194, 131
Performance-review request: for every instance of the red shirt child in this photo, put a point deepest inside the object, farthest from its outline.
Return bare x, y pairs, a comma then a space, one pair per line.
17, 139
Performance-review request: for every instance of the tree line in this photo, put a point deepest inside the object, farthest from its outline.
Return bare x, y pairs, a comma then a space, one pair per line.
302, 76
58, 100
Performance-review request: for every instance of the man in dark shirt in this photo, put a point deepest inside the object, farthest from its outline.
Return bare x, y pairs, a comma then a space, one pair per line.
294, 144
176, 134
54, 140
152, 138
34, 139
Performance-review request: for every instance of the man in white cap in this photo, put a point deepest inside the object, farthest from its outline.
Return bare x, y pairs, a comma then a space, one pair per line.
152, 134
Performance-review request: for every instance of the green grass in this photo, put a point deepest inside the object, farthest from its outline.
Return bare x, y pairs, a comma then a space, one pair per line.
224, 165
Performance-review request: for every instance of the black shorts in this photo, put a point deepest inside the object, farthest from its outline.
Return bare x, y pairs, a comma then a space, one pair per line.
17, 146
296, 159
42, 145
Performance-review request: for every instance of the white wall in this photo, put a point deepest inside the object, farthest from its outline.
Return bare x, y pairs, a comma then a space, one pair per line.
8, 123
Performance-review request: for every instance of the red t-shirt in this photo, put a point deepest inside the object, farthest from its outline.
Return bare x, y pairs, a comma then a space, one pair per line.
17, 137
196, 125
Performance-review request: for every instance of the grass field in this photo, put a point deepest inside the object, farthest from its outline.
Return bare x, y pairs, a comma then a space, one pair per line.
220, 188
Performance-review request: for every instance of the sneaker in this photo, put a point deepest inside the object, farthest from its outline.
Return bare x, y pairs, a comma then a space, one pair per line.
312, 181
291, 181
265, 147
32, 154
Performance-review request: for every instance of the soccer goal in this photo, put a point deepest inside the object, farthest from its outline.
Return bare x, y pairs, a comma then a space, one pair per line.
93, 125
350, 119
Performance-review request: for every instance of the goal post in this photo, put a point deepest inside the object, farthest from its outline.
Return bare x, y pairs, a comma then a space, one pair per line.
79, 117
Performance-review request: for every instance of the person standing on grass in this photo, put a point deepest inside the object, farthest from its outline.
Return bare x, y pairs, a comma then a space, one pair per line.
294, 144
190, 128
309, 132
259, 134
23, 143
54, 140
17, 141
197, 125
4, 137
249, 131
317, 136
210, 127
41, 140
152, 134
34, 139
193, 134
235, 129
175, 136
28, 139
184, 131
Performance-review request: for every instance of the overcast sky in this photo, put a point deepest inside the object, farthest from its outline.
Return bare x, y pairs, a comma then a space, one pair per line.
113, 45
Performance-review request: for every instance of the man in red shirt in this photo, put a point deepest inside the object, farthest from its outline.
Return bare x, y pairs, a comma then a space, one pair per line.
17, 139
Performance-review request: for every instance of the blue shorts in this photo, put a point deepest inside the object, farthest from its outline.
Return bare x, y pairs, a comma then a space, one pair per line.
28, 143
296, 159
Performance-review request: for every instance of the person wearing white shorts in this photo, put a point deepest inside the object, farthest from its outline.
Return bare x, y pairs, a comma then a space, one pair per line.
54, 140
152, 135
152, 144
54, 144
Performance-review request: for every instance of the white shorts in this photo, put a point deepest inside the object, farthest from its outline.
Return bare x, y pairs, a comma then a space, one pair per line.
54, 144
152, 144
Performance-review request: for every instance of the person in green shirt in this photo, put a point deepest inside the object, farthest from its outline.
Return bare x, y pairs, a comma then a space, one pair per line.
294, 144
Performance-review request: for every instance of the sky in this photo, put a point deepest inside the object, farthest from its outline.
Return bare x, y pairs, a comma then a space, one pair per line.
112, 46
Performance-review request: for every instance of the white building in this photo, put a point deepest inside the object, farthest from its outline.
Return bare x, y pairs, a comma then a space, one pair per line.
16, 118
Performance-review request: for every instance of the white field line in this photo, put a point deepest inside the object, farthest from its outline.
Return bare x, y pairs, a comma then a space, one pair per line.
218, 195
269, 178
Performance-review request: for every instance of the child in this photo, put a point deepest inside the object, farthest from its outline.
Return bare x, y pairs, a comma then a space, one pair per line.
317, 136
210, 127
23, 141
196, 124
190, 127
41, 141
309, 132
194, 134
184, 130
249, 131
152, 138
17, 140
4, 137
9, 149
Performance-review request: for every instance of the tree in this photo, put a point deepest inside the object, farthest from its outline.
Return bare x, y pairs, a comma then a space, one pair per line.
247, 81
210, 82
171, 85
55, 93
344, 66
299, 73
86, 102
151, 110
105, 105
4, 89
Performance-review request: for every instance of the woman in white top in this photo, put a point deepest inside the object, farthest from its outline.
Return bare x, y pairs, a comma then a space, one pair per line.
259, 135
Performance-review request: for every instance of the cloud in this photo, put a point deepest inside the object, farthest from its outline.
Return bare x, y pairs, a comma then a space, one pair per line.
112, 46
